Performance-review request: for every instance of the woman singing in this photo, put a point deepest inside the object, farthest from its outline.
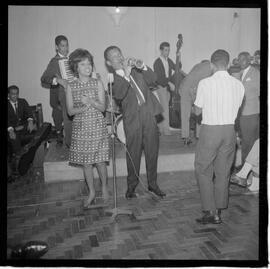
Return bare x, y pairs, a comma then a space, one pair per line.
85, 99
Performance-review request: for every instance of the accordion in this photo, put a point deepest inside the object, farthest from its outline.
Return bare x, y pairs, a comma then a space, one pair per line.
65, 70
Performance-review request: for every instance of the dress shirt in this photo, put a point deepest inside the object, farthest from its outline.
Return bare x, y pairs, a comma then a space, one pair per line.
220, 97
166, 65
15, 106
16, 112
245, 72
121, 73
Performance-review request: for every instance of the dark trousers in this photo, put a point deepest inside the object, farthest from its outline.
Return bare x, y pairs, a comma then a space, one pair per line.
249, 126
66, 118
144, 137
57, 114
23, 137
214, 156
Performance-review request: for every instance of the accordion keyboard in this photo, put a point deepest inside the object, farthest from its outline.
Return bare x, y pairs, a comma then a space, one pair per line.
65, 70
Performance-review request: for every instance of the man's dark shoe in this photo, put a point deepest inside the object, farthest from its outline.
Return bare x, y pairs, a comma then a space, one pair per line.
157, 191
187, 141
210, 218
240, 181
130, 195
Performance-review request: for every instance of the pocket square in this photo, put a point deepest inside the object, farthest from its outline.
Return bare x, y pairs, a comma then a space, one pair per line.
248, 79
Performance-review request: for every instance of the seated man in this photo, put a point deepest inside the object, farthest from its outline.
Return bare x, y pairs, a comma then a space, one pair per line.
251, 164
20, 121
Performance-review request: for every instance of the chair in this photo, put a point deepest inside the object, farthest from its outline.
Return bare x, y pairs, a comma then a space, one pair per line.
25, 157
37, 115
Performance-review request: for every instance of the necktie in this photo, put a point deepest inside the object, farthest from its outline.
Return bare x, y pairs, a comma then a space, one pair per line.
242, 76
139, 93
16, 109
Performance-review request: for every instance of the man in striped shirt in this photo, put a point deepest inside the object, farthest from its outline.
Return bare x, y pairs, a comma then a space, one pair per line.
219, 98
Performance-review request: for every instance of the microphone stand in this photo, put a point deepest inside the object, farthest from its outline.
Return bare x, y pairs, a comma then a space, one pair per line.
115, 211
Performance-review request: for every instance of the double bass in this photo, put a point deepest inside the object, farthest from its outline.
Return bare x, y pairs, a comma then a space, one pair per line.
174, 103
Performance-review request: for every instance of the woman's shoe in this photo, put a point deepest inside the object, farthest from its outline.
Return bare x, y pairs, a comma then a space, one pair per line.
90, 203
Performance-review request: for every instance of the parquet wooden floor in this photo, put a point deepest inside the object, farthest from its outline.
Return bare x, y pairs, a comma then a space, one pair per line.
158, 229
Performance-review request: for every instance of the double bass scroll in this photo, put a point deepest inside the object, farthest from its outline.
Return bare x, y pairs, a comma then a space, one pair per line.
174, 103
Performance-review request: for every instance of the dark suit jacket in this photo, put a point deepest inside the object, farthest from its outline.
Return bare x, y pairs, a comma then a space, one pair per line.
197, 73
24, 113
49, 74
160, 71
126, 95
251, 83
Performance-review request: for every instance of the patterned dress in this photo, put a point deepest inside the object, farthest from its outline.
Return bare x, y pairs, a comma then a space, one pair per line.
89, 139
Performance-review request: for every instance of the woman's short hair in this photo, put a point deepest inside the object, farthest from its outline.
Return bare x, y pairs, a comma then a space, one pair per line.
77, 56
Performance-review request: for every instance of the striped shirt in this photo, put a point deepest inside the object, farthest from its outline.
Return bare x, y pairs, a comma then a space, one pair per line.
220, 97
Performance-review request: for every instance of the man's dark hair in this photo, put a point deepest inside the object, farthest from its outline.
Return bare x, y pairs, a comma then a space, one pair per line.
220, 58
257, 52
59, 38
13, 87
163, 45
77, 56
244, 53
106, 52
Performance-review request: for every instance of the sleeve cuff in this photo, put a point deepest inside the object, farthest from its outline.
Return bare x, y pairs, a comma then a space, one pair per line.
54, 82
10, 129
197, 105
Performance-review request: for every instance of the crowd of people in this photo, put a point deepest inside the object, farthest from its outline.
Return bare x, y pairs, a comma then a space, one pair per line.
221, 94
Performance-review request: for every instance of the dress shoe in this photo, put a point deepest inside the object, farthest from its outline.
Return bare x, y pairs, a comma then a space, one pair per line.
210, 218
130, 195
157, 191
187, 141
240, 181
31, 250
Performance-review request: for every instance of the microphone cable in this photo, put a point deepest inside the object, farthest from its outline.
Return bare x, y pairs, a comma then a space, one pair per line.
153, 195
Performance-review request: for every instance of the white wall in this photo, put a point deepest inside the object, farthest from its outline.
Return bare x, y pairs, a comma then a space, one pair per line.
32, 30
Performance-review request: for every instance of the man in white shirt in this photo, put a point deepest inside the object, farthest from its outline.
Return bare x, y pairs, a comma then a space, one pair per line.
219, 98
163, 67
